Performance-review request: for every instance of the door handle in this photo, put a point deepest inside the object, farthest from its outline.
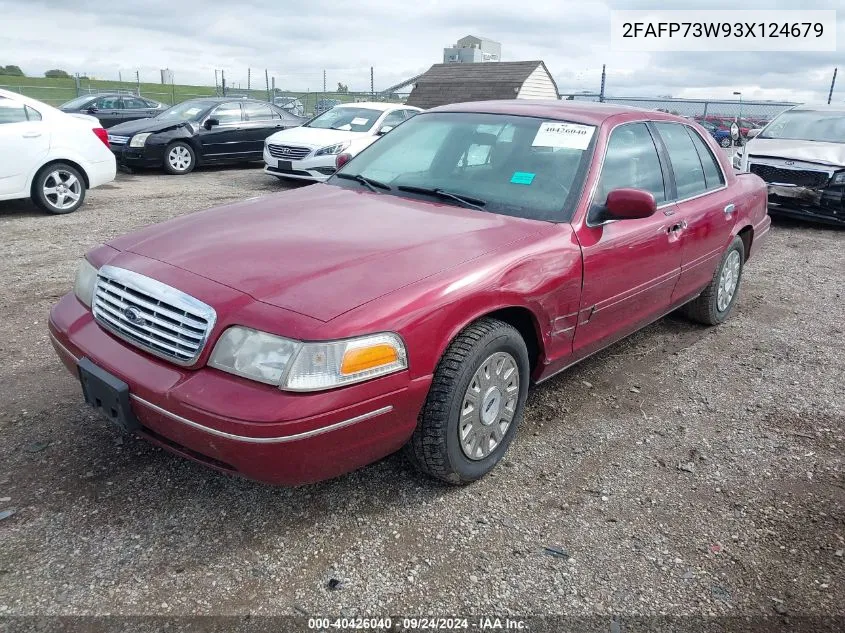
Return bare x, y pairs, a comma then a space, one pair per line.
31, 134
677, 227
730, 208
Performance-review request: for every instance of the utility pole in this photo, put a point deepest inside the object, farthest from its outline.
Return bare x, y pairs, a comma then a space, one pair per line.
223, 81
216, 93
138, 82
372, 84
603, 77
324, 80
832, 83
248, 78
267, 83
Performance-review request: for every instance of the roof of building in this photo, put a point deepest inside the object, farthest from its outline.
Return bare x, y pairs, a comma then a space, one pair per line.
455, 83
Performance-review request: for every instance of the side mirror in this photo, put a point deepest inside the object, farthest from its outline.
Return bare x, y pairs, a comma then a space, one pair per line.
629, 204
754, 132
384, 129
210, 123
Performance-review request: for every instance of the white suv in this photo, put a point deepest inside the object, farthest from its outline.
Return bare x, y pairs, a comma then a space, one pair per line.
50, 156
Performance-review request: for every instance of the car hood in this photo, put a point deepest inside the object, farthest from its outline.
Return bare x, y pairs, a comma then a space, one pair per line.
314, 137
147, 125
323, 250
808, 151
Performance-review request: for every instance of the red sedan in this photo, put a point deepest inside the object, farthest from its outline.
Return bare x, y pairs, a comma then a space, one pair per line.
409, 301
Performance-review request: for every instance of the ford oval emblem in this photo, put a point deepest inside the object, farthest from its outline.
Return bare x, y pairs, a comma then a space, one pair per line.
133, 316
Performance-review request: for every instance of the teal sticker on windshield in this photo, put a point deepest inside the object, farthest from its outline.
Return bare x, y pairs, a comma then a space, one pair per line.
522, 178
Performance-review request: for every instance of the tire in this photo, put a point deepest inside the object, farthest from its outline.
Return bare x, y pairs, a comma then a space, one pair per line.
436, 447
58, 188
179, 158
726, 142
706, 307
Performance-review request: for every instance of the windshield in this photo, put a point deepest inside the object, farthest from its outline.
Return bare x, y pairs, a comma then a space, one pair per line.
73, 104
187, 111
807, 125
512, 165
346, 118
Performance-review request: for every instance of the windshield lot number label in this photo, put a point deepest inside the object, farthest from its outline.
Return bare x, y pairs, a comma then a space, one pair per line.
568, 135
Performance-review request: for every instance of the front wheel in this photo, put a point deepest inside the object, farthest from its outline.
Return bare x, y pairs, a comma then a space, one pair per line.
58, 188
475, 403
179, 158
714, 305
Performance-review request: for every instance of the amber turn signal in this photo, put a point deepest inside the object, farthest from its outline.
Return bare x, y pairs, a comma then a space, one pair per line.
363, 358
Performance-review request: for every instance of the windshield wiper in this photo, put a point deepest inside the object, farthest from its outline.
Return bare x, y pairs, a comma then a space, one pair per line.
374, 185
467, 201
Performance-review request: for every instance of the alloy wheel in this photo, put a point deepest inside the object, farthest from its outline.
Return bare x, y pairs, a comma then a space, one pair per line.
62, 189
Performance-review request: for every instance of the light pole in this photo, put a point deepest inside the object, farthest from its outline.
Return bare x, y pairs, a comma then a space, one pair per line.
739, 118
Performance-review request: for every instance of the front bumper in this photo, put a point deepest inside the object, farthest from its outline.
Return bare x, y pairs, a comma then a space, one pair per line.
825, 205
147, 156
239, 426
312, 168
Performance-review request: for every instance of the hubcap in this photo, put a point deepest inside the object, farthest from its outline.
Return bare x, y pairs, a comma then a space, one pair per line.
489, 405
62, 189
179, 158
728, 281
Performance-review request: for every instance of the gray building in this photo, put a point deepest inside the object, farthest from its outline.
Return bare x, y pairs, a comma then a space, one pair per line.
471, 49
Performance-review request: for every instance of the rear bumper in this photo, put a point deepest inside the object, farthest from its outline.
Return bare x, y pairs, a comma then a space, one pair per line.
205, 414
101, 172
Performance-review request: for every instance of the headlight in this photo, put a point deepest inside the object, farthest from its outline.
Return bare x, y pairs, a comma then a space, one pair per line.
86, 279
139, 139
838, 178
296, 366
332, 149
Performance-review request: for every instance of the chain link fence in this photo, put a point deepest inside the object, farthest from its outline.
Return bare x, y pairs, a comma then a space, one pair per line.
751, 113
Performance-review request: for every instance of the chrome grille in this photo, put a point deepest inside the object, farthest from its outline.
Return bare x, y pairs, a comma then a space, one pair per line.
289, 152
118, 140
151, 315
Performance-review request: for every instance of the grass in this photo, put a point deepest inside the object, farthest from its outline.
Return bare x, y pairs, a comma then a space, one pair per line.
58, 91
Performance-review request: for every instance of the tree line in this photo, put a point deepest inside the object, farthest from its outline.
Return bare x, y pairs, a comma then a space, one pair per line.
15, 71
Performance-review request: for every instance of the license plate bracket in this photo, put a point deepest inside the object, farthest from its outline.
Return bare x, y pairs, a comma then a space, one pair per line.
285, 165
108, 394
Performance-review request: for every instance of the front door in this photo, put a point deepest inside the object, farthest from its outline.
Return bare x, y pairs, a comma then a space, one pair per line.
704, 207
226, 139
630, 266
24, 140
136, 108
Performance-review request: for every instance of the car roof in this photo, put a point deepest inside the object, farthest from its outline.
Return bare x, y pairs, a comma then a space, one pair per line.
820, 107
586, 112
375, 105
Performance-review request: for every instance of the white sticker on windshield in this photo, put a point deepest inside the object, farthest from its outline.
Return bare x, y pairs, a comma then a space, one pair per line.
359, 120
569, 135
192, 111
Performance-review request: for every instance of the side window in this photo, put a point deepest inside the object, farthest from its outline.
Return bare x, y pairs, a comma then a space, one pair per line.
32, 114
11, 111
107, 103
258, 111
394, 118
227, 113
133, 103
712, 173
686, 165
631, 161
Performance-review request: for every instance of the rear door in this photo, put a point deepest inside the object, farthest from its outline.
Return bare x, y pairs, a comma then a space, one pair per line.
24, 142
704, 206
109, 110
261, 120
227, 140
630, 266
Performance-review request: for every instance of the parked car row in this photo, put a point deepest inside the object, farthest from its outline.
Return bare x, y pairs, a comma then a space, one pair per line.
409, 300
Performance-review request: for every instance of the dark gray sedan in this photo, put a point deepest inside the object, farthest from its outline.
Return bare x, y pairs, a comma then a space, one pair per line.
113, 108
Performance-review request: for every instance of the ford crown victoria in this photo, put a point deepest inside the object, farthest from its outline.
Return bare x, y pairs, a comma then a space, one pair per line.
412, 299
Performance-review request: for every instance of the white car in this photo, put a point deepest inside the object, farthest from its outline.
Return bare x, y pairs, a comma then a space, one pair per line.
50, 156
801, 156
309, 152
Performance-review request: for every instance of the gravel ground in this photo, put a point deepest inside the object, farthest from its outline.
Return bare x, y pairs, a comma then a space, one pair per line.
684, 470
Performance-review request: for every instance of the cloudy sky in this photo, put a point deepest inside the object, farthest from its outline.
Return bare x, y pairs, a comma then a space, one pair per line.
295, 41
